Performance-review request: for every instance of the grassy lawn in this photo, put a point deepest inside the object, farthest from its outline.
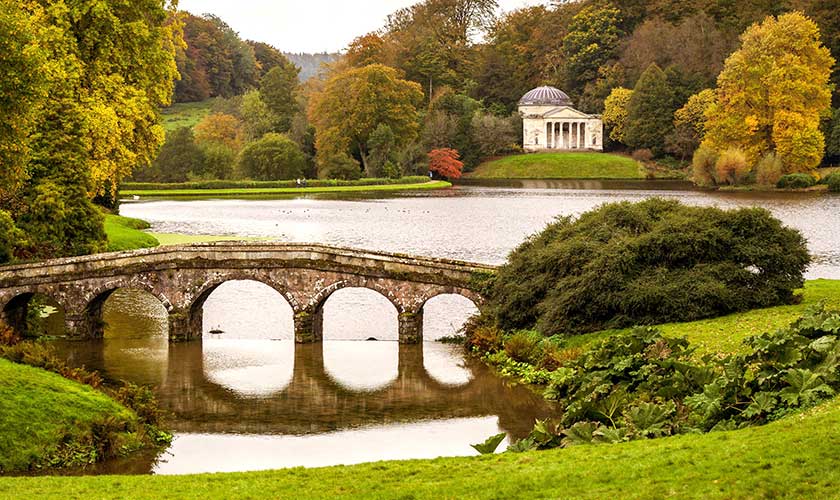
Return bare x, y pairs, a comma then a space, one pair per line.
186, 114
38, 409
726, 334
793, 458
167, 193
125, 233
560, 166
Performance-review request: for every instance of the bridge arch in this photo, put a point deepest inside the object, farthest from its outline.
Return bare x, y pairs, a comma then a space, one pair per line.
90, 318
194, 310
15, 309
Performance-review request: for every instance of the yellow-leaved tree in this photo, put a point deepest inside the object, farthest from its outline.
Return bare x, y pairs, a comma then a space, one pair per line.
772, 93
354, 103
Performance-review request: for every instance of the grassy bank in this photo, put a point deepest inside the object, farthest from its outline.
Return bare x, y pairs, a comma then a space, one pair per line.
40, 410
560, 166
792, 458
726, 334
263, 191
125, 233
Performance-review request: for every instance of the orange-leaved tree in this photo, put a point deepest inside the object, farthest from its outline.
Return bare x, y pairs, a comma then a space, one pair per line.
446, 162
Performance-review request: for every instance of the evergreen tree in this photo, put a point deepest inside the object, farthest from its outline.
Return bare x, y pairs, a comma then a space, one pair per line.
650, 111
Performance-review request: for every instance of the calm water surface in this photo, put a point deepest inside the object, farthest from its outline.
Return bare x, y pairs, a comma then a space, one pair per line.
250, 399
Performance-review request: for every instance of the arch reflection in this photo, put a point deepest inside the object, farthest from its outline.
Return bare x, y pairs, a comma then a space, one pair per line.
445, 316
248, 332
136, 336
350, 317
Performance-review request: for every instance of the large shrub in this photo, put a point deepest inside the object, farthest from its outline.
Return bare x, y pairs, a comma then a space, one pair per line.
769, 170
833, 182
732, 167
652, 262
703, 166
274, 157
796, 181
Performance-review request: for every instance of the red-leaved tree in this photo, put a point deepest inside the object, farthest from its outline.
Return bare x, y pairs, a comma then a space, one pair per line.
446, 163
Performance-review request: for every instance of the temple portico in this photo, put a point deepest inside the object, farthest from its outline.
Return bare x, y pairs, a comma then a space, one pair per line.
551, 123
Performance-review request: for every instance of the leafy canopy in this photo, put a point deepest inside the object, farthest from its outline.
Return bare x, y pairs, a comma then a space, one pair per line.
772, 94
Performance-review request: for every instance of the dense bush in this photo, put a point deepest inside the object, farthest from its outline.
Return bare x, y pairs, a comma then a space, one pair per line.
703, 166
652, 262
769, 170
833, 182
796, 181
230, 184
274, 157
732, 167
643, 385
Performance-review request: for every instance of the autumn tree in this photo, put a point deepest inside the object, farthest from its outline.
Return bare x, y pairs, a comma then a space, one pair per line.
615, 113
267, 57
650, 111
446, 163
592, 40
690, 124
353, 103
772, 94
220, 128
366, 50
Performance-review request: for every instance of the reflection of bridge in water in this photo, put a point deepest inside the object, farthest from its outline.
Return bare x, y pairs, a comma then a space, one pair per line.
316, 402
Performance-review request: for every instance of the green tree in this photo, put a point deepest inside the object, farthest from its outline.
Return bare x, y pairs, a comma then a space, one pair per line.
23, 87
832, 145
353, 103
9, 237
616, 112
257, 119
277, 90
650, 112
179, 157
592, 41
274, 157
382, 148
267, 57
772, 94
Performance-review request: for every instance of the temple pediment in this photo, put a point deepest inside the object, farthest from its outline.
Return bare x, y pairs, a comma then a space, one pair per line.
566, 112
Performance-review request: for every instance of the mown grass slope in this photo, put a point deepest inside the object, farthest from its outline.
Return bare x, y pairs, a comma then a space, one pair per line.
186, 114
792, 458
125, 233
560, 166
726, 334
39, 409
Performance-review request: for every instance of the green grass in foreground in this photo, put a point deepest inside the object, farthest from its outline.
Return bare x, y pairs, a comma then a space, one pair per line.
792, 458
560, 166
38, 409
186, 114
281, 191
726, 334
125, 233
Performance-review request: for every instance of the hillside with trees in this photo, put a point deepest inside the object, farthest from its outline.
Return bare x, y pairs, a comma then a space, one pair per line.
656, 69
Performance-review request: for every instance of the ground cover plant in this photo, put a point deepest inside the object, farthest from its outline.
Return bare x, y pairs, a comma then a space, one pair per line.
560, 166
656, 261
642, 384
55, 416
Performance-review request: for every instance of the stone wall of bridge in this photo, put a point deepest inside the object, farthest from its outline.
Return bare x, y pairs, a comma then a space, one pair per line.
182, 278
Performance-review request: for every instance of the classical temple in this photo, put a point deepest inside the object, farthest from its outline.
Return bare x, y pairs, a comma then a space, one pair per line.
550, 122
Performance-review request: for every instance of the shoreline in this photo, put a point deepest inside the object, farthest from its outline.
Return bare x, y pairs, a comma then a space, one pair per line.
198, 192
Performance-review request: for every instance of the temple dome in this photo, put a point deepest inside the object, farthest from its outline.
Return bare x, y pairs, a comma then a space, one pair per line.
545, 96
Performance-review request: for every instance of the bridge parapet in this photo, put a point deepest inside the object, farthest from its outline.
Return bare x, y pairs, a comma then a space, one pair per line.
182, 277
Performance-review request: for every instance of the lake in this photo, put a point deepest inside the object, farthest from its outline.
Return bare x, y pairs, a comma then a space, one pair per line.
247, 398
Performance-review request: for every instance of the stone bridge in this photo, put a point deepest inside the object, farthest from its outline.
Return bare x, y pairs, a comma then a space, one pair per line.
182, 277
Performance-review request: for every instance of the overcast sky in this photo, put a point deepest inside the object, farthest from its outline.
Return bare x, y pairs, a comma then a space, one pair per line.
308, 25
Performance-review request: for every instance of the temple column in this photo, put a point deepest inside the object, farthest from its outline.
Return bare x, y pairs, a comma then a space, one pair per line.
549, 129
